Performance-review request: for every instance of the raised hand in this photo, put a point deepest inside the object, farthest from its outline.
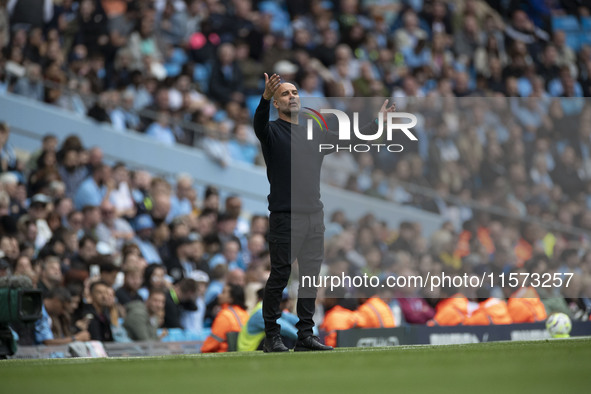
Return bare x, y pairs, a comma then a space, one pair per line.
271, 85
386, 109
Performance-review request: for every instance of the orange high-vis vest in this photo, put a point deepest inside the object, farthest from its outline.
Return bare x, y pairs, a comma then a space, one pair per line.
483, 235
337, 318
230, 319
523, 251
375, 313
450, 312
491, 311
525, 306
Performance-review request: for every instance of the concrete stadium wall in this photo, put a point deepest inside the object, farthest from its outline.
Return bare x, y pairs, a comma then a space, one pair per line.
30, 120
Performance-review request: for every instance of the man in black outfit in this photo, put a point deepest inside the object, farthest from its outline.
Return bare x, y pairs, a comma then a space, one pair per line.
99, 326
296, 223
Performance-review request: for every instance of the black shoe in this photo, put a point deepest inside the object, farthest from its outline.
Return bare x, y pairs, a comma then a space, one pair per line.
310, 344
274, 345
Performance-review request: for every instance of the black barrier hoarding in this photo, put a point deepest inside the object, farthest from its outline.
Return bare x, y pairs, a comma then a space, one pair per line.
376, 337
476, 334
425, 335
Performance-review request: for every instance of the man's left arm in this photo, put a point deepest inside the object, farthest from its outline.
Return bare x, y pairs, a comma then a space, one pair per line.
332, 137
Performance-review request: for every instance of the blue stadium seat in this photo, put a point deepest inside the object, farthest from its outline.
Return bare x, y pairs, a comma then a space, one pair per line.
252, 102
201, 74
586, 23
566, 23
585, 38
172, 70
573, 40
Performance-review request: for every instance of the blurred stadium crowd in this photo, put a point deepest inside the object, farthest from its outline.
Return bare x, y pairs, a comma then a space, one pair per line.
190, 72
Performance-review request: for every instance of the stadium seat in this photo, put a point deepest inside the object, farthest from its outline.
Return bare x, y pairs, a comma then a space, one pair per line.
566, 23
585, 38
172, 70
252, 102
573, 40
201, 74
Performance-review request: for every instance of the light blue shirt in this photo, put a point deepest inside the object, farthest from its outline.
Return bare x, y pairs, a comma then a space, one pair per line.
43, 327
178, 208
161, 134
214, 289
148, 251
193, 320
89, 193
217, 260
246, 153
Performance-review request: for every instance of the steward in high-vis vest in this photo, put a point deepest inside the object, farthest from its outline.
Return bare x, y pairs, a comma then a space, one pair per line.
451, 311
525, 306
253, 332
490, 311
231, 318
374, 313
336, 316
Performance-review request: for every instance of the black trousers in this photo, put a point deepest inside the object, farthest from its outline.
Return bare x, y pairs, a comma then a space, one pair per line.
293, 236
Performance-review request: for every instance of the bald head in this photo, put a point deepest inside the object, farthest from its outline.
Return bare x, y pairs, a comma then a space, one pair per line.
283, 87
287, 101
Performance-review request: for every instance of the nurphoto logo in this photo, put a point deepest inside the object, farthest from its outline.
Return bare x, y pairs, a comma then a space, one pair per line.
344, 132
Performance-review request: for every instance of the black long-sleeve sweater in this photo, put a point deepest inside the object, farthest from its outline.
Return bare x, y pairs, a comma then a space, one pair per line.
293, 162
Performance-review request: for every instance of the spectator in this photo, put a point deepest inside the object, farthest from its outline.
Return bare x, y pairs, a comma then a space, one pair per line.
38, 212
53, 327
180, 266
131, 284
180, 203
8, 160
226, 77
112, 230
160, 130
86, 252
217, 145
95, 189
144, 229
180, 296
410, 33
121, 195
100, 324
240, 148
154, 279
143, 319
71, 172
50, 276
193, 321
32, 85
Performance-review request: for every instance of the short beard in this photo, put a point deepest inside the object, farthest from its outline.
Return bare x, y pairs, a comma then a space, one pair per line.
291, 112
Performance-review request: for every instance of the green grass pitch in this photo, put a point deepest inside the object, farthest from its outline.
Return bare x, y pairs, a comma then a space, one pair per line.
552, 366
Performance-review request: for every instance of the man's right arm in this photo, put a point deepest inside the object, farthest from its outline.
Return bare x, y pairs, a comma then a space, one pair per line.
261, 120
261, 115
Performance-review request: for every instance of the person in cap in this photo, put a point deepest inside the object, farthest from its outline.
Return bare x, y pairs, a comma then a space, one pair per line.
192, 320
144, 228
